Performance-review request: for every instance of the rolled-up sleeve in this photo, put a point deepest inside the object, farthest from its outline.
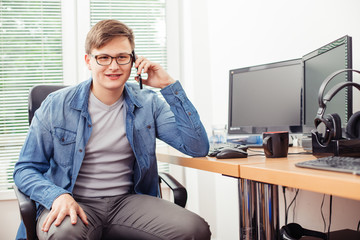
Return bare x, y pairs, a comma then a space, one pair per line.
180, 125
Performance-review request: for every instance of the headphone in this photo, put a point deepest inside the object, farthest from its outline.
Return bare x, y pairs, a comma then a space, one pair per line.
294, 231
328, 127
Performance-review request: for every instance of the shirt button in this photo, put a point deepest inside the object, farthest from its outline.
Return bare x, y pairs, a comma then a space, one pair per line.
189, 113
148, 126
176, 93
89, 125
80, 150
63, 140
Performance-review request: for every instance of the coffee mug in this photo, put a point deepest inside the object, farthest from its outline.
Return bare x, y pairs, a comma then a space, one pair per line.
276, 144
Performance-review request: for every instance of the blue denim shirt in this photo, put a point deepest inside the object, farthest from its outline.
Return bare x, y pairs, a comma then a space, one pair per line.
54, 149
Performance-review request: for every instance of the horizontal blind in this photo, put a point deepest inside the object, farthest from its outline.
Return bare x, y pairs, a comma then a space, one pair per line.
30, 54
147, 19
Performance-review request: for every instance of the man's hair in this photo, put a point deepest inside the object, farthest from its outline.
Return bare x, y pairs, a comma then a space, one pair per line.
105, 31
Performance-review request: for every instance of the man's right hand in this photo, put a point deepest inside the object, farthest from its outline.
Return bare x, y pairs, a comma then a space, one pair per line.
64, 205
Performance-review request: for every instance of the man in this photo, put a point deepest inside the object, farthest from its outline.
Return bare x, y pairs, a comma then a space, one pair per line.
89, 158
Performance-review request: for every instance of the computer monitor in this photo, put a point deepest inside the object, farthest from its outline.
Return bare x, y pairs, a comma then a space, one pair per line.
265, 98
318, 65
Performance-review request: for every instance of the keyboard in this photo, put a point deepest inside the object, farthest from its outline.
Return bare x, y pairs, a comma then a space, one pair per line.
334, 163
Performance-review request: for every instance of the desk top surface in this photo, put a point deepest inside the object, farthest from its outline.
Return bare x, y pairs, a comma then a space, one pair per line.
279, 171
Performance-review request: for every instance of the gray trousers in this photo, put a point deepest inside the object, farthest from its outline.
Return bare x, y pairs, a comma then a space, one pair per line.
131, 216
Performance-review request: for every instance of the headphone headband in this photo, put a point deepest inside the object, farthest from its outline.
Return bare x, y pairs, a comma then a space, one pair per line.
331, 93
335, 89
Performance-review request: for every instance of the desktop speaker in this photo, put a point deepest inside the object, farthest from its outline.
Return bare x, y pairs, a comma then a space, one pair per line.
328, 132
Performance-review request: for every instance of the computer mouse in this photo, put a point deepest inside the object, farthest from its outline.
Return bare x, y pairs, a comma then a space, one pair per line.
231, 153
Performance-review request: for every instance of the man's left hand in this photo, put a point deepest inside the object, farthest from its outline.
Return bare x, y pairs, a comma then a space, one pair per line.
157, 76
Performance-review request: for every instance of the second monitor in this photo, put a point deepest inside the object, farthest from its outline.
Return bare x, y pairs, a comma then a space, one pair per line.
318, 65
266, 98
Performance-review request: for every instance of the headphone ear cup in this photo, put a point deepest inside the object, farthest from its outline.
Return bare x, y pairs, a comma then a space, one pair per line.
291, 231
336, 123
353, 126
328, 128
294, 231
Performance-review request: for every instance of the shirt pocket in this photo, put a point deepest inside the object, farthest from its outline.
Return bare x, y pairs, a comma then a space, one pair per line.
147, 137
64, 146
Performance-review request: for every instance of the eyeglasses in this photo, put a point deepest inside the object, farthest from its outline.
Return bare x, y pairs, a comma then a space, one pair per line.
106, 60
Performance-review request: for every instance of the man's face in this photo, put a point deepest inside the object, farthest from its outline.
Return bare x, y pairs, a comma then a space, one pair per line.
113, 76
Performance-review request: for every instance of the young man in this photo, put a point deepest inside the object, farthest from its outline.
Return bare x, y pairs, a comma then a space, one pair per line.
89, 158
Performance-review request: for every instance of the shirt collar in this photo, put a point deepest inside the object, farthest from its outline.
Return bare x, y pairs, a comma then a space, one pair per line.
82, 93
131, 96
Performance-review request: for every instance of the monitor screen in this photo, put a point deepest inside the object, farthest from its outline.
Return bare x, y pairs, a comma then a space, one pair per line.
318, 65
265, 98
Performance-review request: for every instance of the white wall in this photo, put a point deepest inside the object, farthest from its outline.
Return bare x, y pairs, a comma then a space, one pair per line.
10, 217
217, 36
246, 33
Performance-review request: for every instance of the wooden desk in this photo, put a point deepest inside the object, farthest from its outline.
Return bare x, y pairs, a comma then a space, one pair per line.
229, 167
278, 171
285, 173
262, 175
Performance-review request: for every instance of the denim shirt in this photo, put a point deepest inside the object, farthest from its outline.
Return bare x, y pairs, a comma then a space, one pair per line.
54, 149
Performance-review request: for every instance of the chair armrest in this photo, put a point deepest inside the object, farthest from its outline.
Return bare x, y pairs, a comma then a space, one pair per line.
28, 212
179, 191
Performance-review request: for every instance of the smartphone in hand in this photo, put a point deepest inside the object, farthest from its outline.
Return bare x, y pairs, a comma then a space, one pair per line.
139, 75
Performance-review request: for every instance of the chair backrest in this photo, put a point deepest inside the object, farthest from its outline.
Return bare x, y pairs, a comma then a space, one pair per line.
27, 207
37, 94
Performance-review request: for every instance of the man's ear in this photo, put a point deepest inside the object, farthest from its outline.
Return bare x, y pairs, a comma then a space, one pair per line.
87, 61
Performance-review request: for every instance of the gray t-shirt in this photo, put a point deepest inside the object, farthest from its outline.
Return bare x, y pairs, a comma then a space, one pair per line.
107, 168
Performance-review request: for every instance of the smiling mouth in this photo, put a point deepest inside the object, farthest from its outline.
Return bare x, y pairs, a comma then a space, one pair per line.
113, 75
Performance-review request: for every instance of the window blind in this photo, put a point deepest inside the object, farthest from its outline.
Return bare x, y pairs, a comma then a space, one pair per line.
147, 20
30, 53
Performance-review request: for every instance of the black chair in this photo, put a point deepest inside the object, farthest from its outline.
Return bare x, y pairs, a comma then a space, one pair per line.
27, 206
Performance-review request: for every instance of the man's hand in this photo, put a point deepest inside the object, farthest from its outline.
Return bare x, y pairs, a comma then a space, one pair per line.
63, 206
157, 76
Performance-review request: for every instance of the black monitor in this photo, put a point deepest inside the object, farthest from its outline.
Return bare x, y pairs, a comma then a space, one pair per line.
318, 65
265, 98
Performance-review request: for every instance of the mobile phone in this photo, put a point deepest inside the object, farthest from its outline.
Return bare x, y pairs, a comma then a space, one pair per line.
139, 75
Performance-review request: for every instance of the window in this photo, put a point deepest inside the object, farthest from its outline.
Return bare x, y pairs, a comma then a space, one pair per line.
30, 53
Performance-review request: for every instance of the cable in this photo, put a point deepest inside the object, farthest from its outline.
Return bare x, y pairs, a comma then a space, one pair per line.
298, 153
330, 217
296, 193
294, 211
258, 154
286, 214
322, 214
255, 151
288, 207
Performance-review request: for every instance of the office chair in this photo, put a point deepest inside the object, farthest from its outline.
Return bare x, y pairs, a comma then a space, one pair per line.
27, 206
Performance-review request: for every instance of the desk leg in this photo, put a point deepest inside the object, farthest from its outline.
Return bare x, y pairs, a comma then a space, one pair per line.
268, 211
247, 206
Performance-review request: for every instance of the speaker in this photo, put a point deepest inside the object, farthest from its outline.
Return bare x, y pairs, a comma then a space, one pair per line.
328, 127
294, 231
